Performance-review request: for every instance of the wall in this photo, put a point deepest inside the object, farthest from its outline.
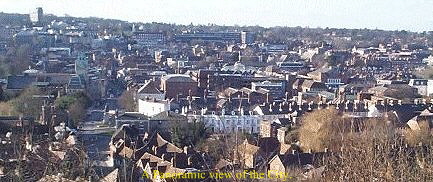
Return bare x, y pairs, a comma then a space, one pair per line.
151, 108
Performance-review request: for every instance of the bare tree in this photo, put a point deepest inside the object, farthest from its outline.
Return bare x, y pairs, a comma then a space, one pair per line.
127, 101
321, 129
77, 112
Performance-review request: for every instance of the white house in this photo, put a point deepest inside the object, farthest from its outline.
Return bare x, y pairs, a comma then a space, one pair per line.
429, 87
230, 123
150, 107
421, 85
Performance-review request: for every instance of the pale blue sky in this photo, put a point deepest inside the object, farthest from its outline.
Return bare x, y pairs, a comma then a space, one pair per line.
414, 15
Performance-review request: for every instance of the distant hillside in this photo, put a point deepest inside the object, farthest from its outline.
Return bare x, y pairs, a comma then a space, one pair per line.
14, 19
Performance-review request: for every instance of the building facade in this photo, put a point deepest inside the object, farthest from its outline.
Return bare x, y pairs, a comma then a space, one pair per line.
152, 107
148, 39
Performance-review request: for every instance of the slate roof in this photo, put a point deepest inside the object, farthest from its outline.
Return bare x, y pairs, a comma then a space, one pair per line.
151, 158
311, 84
177, 78
283, 121
426, 112
19, 81
126, 152
111, 177
298, 83
161, 143
75, 83
132, 116
127, 133
248, 148
222, 163
330, 71
230, 91
175, 170
168, 116
262, 91
57, 79
404, 112
292, 107
149, 88
246, 90
300, 159
269, 145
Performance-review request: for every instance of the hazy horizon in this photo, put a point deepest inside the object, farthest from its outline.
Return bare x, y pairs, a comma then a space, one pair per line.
414, 15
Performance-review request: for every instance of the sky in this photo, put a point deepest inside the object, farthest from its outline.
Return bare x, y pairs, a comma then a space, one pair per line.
412, 15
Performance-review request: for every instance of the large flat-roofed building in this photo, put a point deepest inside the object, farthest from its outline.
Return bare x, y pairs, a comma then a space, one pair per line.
234, 37
149, 39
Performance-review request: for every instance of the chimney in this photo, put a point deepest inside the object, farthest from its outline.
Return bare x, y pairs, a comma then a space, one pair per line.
299, 97
185, 150
190, 94
205, 94
281, 133
116, 113
155, 149
173, 161
267, 97
20, 120
190, 161
53, 109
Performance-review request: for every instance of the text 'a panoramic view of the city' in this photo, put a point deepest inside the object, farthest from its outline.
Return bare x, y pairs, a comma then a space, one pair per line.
89, 97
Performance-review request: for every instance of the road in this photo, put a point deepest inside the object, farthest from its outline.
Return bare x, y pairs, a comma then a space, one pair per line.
94, 134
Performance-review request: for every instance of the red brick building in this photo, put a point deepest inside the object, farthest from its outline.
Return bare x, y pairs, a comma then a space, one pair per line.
178, 85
